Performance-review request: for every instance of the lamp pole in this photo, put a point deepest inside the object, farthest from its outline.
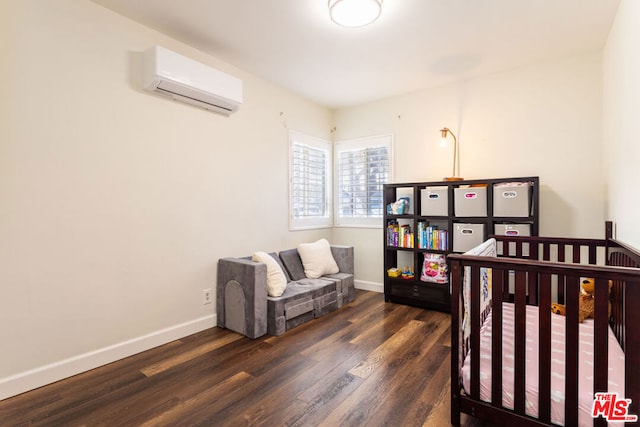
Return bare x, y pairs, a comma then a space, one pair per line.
443, 133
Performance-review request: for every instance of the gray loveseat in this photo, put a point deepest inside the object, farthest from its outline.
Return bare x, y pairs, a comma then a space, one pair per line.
243, 305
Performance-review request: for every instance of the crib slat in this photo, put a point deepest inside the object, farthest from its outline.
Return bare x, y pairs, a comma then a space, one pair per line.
456, 341
571, 353
520, 342
562, 249
592, 254
601, 341
617, 293
533, 250
532, 286
506, 296
544, 349
546, 251
475, 332
560, 292
576, 253
600, 335
496, 336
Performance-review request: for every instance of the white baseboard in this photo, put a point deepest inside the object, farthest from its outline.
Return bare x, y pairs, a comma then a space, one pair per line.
369, 286
47, 374
38, 377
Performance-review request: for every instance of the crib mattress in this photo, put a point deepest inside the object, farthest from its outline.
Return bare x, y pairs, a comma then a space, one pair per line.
585, 383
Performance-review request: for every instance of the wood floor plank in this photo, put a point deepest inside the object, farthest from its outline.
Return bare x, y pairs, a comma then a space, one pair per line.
430, 358
234, 406
386, 323
387, 349
395, 408
435, 397
181, 411
188, 355
368, 363
360, 407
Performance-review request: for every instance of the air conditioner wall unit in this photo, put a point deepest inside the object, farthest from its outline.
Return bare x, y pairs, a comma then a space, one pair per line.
183, 79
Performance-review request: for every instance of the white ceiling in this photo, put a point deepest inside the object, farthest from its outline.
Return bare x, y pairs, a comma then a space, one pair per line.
415, 44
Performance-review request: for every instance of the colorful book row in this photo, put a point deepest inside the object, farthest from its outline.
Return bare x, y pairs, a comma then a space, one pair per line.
430, 237
399, 235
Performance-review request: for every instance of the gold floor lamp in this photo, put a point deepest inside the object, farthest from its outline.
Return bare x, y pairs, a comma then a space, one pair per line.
443, 133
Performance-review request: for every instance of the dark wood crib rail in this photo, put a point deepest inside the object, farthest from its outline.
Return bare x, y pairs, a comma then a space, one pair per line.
555, 249
532, 285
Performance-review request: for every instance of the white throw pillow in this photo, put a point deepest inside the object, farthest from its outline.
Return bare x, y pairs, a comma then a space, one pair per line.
317, 259
276, 280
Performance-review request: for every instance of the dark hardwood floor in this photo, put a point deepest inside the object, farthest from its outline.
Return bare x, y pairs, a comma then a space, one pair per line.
369, 363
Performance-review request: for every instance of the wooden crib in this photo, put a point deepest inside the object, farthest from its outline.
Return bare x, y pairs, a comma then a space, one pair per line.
529, 274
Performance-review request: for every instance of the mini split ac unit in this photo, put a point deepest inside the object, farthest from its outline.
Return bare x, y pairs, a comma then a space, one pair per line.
183, 79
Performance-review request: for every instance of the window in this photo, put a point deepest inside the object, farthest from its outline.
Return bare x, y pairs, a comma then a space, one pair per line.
362, 166
309, 182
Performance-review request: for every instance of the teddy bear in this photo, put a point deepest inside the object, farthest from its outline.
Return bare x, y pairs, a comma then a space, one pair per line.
586, 304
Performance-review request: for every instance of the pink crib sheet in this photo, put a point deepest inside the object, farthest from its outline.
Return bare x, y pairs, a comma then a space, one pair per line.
585, 382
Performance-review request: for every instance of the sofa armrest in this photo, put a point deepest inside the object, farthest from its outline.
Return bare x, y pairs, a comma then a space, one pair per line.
344, 258
241, 293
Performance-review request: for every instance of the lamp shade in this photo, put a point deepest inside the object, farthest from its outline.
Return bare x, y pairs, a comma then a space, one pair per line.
354, 13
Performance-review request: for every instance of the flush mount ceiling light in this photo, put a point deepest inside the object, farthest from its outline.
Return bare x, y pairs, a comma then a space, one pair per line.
354, 13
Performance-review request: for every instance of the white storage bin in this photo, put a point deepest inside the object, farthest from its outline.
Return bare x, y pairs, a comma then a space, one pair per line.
513, 229
512, 199
470, 201
434, 201
467, 236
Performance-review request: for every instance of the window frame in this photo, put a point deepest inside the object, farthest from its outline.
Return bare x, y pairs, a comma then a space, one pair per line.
315, 222
353, 145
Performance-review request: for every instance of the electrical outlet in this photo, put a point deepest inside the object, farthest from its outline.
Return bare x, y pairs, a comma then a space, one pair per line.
206, 296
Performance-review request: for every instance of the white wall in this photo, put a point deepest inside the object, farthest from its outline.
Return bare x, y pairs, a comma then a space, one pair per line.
543, 120
621, 119
116, 204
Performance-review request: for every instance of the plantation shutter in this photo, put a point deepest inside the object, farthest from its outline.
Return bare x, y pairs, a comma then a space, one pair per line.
309, 186
363, 167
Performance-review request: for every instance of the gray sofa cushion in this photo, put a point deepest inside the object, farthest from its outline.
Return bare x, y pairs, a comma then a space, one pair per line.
279, 261
344, 257
293, 264
303, 300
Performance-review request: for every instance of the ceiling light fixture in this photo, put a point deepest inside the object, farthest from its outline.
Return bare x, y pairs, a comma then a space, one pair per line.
354, 13
443, 142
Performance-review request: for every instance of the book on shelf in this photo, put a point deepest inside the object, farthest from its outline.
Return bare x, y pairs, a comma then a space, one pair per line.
431, 237
399, 235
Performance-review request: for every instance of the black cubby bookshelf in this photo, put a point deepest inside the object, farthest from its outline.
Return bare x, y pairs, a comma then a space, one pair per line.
412, 290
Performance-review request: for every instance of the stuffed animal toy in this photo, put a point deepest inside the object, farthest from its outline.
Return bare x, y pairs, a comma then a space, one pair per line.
585, 301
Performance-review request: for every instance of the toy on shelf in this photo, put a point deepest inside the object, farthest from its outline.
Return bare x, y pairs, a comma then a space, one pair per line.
399, 207
407, 273
394, 272
434, 268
